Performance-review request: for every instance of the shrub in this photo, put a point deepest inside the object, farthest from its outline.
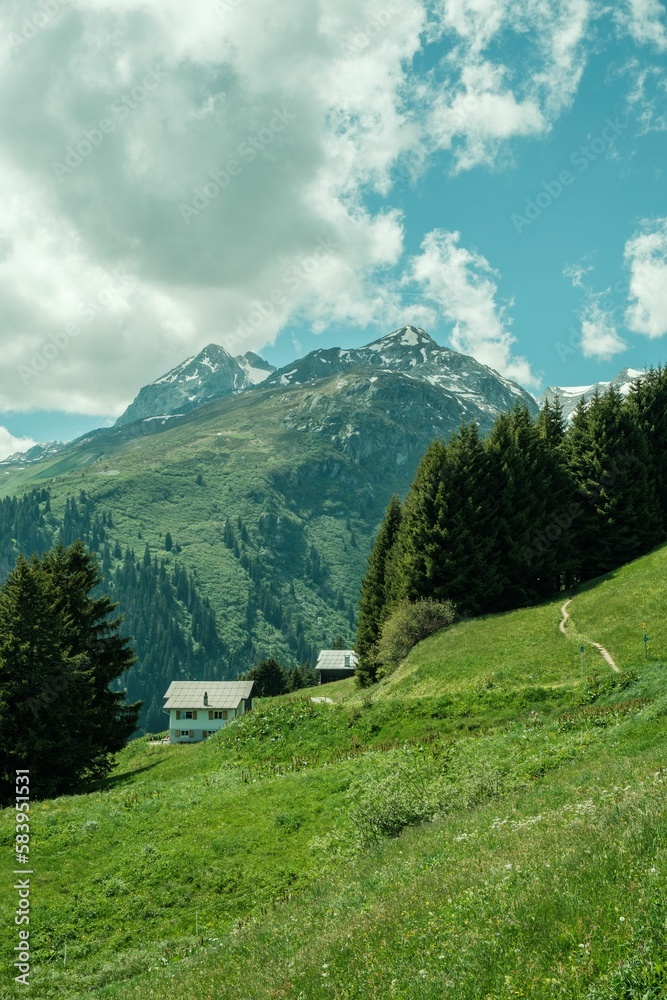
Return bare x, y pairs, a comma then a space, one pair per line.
400, 790
408, 624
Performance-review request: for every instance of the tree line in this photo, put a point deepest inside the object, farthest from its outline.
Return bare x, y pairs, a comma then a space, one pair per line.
535, 508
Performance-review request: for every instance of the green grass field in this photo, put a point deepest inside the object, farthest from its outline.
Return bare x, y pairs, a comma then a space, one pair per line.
481, 824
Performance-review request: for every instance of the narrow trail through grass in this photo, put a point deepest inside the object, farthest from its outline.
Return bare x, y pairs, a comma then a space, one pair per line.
605, 654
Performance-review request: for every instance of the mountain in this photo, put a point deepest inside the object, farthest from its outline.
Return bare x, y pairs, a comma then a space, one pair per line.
569, 396
271, 497
412, 352
211, 374
37, 453
474, 391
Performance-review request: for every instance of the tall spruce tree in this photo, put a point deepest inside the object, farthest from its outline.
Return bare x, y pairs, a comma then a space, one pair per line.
58, 652
412, 565
469, 573
93, 632
533, 498
648, 408
445, 546
373, 601
41, 685
609, 459
555, 544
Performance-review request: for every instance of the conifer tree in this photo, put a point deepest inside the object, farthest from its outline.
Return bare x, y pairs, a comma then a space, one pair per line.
552, 546
467, 570
445, 548
40, 685
609, 458
93, 632
372, 604
648, 408
58, 654
412, 569
269, 677
551, 424
532, 495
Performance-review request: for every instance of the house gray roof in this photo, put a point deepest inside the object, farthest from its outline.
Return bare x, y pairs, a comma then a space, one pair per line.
334, 659
221, 694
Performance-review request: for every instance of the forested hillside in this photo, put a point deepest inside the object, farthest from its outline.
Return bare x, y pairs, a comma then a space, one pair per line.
533, 510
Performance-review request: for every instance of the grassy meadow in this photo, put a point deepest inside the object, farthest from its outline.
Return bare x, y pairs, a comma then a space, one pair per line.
481, 824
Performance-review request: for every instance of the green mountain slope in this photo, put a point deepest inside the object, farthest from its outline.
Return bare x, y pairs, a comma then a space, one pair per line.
482, 824
271, 499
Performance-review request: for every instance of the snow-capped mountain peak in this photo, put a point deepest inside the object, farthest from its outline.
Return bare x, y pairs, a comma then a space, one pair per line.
211, 374
569, 395
406, 336
412, 352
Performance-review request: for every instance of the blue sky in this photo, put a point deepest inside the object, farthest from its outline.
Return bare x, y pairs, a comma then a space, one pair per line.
281, 179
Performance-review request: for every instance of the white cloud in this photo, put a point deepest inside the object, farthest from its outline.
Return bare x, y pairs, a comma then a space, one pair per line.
647, 99
599, 337
299, 182
480, 104
644, 20
577, 272
646, 257
484, 113
354, 105
462, 284
10, 444
477, 21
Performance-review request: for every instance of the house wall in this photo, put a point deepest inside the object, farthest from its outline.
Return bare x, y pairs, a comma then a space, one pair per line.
335, 674
200, 724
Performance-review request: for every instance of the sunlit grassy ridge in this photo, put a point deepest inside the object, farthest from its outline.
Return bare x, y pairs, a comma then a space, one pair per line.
481, 824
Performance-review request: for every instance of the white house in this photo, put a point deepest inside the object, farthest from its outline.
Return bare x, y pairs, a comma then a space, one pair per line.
335, 664
197, 709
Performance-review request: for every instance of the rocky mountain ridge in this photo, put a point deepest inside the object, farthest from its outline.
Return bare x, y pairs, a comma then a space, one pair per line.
211, 374
569, 396
410, 351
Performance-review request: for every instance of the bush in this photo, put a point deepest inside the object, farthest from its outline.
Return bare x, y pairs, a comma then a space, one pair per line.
408, 624
400, 790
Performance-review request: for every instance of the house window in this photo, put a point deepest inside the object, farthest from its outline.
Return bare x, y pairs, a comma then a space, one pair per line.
189, 715
218, 715
347, 661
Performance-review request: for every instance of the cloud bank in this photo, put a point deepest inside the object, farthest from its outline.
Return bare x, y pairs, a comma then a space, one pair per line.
169, 172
